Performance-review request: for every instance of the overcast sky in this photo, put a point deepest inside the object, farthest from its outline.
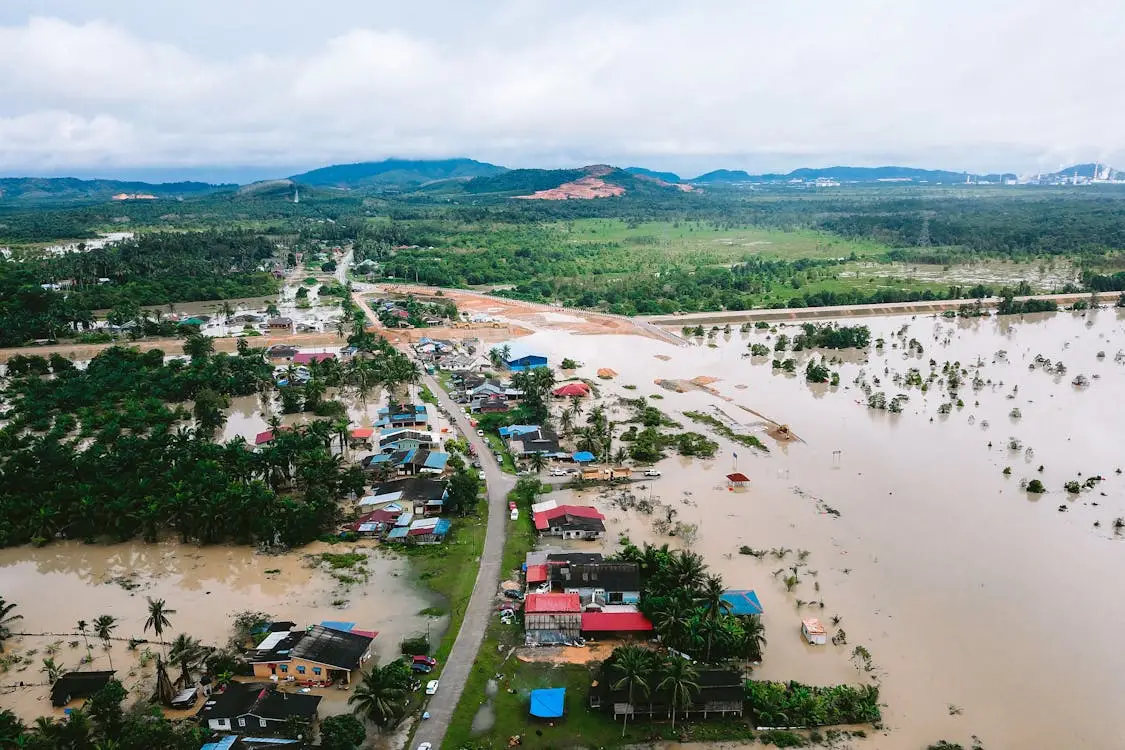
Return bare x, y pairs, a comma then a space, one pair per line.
104, 86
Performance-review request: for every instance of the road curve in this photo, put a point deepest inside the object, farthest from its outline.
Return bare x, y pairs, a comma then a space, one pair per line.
457, 667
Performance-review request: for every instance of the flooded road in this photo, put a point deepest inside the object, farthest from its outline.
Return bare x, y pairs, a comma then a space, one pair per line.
988, 611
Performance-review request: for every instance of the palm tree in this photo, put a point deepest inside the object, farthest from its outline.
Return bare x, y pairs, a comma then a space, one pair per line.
158, 618
6, 619
680, 684
755, 634
715, 607
633, 663
187, 652
566, 421
52, 670
588, 440
538, 462
495, 357
383, 694
672, 621
688, 571
103, 628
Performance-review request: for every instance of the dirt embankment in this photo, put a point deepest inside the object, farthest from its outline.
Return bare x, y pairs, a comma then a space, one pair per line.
585, 188
171, 345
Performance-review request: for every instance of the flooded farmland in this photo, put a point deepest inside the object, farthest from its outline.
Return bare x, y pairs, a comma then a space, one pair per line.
988, 610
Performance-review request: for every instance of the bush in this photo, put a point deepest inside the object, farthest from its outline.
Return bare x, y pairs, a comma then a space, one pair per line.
343, 732
415, 644
1036, 487
782, 738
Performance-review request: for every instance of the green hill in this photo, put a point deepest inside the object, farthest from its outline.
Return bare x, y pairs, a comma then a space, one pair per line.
35, 189
666, 176
396, 173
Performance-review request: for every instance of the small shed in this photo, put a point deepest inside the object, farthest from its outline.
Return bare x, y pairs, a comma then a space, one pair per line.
547, 703
738, 479
814, 632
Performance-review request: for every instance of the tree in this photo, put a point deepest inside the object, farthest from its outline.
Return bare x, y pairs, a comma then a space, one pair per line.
680, 683
209, 411
688, 570
104, 626
6, 620
383, 694
755, 634
187, 653
198, 346
715, 607
342, 732
538, 462
105, 710
52, 669
158, 618
633, 664
464, 488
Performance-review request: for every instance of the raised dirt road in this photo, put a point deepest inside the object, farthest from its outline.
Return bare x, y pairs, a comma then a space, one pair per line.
456, 670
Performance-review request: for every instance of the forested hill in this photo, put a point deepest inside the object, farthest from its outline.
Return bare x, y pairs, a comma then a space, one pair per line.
396, 173
665, 176
31, 189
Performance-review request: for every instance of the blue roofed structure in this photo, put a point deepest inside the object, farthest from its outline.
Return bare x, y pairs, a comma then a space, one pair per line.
743, 602
518, 429
225, 743
397, 534
547, 703
582, 457
526, 362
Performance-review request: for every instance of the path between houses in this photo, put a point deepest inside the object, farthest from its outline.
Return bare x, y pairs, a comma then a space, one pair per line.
456, 671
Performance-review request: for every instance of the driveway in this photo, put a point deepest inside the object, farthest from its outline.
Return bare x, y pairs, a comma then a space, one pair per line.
456, 670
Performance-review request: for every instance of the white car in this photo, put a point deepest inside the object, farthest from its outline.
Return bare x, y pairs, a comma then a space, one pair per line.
431, 687
652, 473
481, 475
515, 514
480, 433
425, 746
558, 473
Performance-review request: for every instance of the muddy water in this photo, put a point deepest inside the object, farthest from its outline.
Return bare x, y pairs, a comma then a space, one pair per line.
60, 584
987, 610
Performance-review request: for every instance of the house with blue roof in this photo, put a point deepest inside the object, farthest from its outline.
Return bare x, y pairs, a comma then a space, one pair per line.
515, 430
403, 415
743, 602
526, 362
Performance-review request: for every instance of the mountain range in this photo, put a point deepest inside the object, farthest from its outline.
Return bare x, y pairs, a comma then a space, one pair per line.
474, 178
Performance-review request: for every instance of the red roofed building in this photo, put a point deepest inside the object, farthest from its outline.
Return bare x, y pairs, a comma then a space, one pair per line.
552, 618
625, 621
304, 358
536, 574
571, 522
738, 479
572, 389
266, 437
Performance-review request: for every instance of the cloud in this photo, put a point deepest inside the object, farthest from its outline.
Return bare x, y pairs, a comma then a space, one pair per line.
1018, 85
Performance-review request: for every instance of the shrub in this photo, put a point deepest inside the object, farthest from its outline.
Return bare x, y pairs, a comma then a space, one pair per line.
1036, 487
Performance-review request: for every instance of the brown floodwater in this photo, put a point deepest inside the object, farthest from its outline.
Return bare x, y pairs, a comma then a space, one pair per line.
57, 585
987, 610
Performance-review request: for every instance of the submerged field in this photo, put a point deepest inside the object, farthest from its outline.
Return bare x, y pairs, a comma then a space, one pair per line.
975, 597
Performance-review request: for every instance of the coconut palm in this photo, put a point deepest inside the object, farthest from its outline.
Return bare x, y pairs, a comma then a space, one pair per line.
383, 694
755, 634
679, 682
158, 618
566, 421
687, 570
633, 664
82, 627
187, 653
673, 621
104, 626
52, 670
715, 607
6, 619
538, 462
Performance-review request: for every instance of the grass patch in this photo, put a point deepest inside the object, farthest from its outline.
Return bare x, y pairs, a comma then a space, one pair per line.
507, 463
750, 441
343, 560
426, 396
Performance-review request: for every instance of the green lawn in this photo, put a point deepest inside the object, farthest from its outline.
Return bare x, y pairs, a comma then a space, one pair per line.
508, 464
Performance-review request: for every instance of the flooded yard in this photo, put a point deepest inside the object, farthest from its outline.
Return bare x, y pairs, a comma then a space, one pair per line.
984, 607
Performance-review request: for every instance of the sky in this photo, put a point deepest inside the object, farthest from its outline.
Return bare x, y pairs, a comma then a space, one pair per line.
271, 87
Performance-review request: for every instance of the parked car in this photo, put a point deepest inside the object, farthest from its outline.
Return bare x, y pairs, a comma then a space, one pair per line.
421, 668
558, 472
431, 687
515, 514
425, 660
481, 476
476, 464
480, 433
425, 746
652, 473
513, 594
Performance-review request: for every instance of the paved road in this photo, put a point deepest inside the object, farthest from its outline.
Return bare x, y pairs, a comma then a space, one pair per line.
464, 653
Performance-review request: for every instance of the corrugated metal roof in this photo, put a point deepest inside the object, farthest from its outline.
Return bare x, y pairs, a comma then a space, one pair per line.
536, 573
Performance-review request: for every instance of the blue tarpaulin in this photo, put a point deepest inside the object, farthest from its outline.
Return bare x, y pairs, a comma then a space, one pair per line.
548, 703
583, 457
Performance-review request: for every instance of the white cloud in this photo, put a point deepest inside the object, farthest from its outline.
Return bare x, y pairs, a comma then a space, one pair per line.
1014, 84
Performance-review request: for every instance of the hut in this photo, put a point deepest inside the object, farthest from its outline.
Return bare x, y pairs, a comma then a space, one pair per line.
737, 479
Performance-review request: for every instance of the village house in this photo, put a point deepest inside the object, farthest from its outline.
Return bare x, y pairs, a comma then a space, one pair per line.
306, 358
74, 685
490, 405
721, 692
420, 531
526, 362
595, 580
280, 325
248, 707
377, 523
281, 352
403, 415
360, 437
317, 655
552, 618
404, 439
541, 441
570, 522
465, 381
495, 389
615, 621
425, 495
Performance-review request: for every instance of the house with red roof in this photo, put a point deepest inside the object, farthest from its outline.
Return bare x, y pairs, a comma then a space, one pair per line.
571, 389
552, 618
570, 522
615, 620
304, 358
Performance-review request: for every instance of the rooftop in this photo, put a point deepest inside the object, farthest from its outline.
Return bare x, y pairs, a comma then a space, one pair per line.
610, 622
566, 514
551, 603
332, 647
261, 700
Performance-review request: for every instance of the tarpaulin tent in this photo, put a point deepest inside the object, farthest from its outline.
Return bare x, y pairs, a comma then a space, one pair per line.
547, 703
